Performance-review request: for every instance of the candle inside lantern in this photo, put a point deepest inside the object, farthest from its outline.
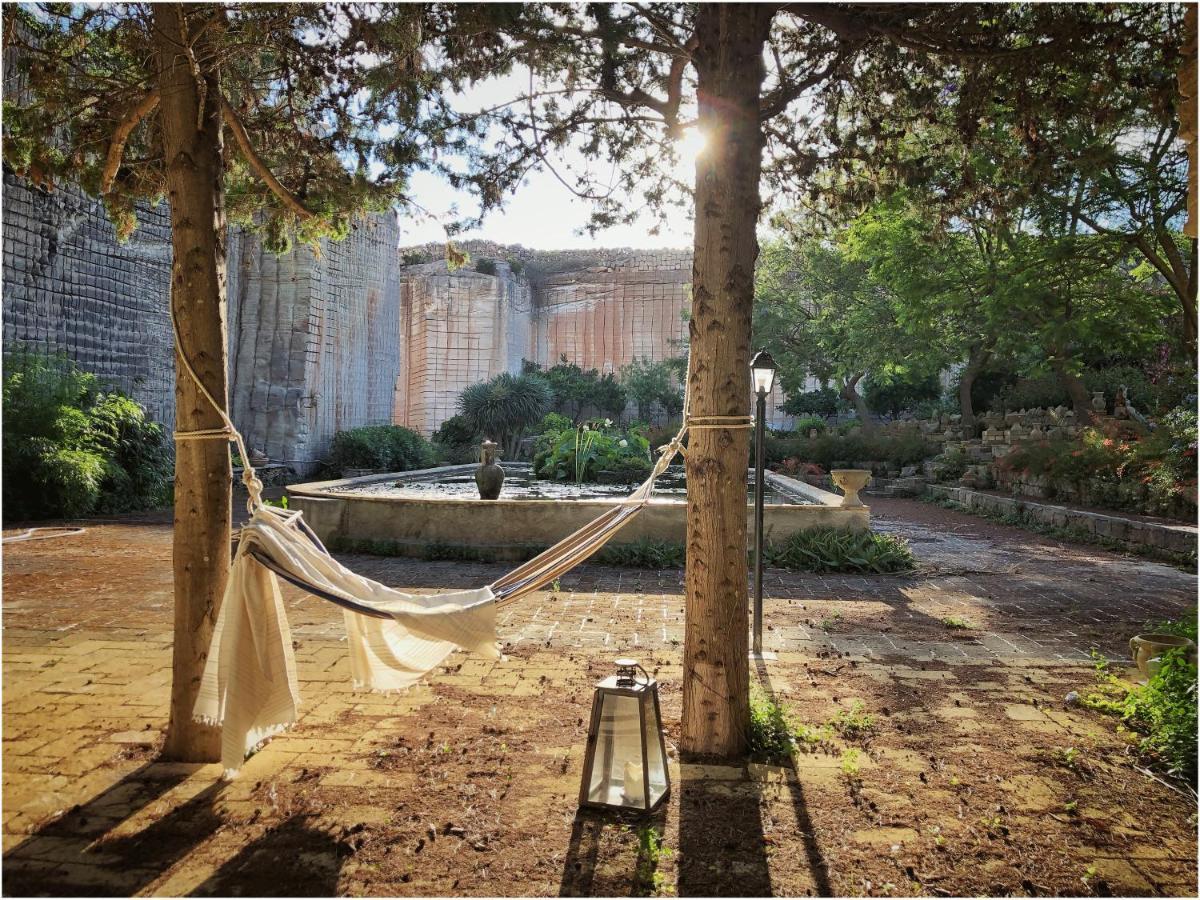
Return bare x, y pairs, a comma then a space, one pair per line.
634, 789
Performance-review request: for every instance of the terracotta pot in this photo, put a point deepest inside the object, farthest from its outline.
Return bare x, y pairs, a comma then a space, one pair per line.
851, 481
1145, 647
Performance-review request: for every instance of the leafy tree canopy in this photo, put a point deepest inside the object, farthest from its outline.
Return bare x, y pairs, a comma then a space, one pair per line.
320, 104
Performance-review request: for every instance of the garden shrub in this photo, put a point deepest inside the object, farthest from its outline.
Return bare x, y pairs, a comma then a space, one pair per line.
832, 451
837, 550
1107, 462
73, 446
1163, 711
821, 402
392, 448
898, 393
574, 390
456, 442
1030, 393
503, 407
805, 424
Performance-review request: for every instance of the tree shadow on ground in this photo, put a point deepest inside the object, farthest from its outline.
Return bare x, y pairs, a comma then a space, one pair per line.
74, 854
816, 859
722, 851
312, 859
603, 857
88, 851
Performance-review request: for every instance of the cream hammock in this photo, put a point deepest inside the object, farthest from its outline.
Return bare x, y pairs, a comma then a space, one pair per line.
249, 685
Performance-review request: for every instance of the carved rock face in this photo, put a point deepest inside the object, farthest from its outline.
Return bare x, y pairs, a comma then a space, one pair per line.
489, 477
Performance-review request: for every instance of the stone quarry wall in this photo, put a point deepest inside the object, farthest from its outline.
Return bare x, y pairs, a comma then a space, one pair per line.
457, 328
600, 309
314, 340
329, 341
70, 288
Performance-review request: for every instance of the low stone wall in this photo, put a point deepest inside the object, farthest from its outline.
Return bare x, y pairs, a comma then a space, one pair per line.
1175, 539
508, 529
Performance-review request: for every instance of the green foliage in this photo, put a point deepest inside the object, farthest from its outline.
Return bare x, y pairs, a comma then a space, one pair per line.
772, 734
643, 553
1030, 393
898, 392
592, 451
575, 391
456, 442
647, 382
821, 402
833, 451
505, 407
835, 550
854, 722
391, 448
805, 424
485, 266
281, 68
650, 881
73, 447
1162, 712
1106, 463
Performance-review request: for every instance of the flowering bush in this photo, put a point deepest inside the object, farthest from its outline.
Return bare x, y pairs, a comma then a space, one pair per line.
593, 451
794, 467
1117, 466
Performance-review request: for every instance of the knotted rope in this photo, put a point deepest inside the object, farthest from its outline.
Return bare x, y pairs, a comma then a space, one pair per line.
227, 432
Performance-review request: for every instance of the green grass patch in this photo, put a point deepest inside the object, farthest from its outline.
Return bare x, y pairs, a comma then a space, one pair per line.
650, 881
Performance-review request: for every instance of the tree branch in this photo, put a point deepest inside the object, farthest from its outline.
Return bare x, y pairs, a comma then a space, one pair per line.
116, 147
256, 163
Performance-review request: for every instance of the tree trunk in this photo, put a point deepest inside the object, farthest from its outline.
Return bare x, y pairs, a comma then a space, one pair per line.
1081, 400
851, 395
975, 362
190, 117
729, 65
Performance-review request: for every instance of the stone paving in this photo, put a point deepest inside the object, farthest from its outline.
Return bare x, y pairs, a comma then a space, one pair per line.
86, 669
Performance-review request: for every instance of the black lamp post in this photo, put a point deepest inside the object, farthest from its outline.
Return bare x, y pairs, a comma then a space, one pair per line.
762, 371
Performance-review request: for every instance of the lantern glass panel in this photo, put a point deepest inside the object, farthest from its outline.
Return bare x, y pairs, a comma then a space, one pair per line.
617, 765
656, 761
763, 380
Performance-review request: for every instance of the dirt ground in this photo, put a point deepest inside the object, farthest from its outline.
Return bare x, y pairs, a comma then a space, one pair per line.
970, 776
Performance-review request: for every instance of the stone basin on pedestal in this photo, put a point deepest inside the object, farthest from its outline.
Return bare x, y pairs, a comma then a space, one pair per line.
850, 482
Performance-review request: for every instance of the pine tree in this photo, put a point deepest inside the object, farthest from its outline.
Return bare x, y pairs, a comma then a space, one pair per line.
265, 115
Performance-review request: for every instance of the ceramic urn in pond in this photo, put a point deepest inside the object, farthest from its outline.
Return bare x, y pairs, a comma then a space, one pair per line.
489, 477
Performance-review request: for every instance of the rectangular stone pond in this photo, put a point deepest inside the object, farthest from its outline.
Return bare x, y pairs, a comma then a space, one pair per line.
433, 511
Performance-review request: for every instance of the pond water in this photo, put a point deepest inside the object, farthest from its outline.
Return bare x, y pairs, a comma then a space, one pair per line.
519, 484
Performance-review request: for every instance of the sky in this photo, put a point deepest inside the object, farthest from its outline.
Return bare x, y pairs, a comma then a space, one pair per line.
542, 214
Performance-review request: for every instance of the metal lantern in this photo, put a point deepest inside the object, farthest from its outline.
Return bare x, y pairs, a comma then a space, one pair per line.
762, 372
626, 761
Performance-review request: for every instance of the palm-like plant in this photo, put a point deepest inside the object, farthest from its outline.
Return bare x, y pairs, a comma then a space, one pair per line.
503, 407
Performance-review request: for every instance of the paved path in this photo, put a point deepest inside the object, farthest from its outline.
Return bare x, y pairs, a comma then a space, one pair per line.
87, 631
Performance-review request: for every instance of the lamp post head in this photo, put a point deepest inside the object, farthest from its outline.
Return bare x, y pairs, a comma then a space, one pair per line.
762, 371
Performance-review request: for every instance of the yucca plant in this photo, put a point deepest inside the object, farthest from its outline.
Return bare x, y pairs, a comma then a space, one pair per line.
503, 407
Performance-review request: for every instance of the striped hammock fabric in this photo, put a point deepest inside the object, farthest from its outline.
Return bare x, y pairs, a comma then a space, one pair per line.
249, 686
